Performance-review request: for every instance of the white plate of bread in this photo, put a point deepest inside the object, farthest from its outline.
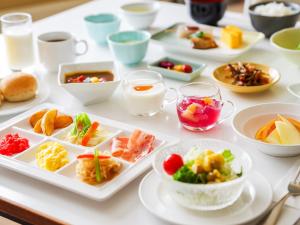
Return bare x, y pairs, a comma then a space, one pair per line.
19, 92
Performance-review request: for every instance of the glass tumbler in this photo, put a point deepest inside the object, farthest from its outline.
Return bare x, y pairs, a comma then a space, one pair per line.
18, 39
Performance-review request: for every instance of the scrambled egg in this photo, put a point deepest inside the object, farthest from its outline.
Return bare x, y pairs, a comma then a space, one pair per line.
51, 156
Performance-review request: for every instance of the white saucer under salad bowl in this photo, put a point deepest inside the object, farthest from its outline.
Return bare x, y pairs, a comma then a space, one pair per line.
254, 200
204, 196
249, 120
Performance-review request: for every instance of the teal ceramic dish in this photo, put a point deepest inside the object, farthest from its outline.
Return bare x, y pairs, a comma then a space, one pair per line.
287, 42
129, 47
101, 25
173, 74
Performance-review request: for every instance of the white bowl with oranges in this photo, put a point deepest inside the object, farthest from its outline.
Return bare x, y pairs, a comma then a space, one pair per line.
272, 128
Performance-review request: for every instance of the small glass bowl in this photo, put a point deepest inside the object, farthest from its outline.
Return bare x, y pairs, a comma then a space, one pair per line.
204, 197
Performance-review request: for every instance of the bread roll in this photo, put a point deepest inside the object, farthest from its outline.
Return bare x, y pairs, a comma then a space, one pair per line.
18, 87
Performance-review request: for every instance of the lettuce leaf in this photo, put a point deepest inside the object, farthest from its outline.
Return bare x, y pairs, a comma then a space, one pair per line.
82, 123
186, 175
228, 156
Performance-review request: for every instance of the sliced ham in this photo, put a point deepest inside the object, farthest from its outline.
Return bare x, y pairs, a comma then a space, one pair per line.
118, 146
136, 146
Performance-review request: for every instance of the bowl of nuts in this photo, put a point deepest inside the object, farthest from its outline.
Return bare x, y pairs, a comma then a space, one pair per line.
246, 77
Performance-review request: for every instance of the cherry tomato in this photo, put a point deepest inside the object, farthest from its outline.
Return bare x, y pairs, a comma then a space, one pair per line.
172, 163
187, 68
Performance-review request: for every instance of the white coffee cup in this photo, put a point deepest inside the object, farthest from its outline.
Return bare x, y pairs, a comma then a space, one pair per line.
58, 47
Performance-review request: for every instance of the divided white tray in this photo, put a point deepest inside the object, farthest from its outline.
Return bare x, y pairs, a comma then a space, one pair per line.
65, 177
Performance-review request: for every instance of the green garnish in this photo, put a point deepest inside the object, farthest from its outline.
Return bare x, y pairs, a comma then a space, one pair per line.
97, 165
298, 47
81, 124
186, 175
240, 173
228, 156
199, 34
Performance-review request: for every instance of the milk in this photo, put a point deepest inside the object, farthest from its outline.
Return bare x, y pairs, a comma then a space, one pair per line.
147, 102
19, 47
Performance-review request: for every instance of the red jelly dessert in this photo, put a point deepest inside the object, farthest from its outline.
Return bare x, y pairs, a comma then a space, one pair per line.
12, 144
199, 113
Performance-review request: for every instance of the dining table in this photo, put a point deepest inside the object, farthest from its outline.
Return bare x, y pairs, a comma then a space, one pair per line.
36, 202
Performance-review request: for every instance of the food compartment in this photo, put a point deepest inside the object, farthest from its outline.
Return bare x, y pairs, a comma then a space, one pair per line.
104, 134
15, 140
142, 145
70, 172
47, 122
51, 155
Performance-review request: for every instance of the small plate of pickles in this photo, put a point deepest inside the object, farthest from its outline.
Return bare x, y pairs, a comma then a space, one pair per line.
177, 69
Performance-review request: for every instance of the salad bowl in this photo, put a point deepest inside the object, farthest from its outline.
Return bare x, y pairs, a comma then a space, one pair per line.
204, 196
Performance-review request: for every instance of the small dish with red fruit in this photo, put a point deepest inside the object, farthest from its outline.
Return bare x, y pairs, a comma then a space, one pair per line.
177, 69
206, 174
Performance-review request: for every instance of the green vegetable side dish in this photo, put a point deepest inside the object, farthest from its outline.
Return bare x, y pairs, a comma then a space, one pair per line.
97, 165
204, 167
199, 34
82, 123
298, 47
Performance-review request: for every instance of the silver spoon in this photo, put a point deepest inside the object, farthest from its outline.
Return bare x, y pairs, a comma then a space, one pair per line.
293, 190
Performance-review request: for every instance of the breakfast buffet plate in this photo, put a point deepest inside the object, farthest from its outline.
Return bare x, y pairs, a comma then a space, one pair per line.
169, 39
10, 108
57, 152
254, 200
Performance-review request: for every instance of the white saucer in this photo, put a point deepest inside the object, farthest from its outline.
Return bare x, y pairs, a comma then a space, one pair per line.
254, 200
10, 108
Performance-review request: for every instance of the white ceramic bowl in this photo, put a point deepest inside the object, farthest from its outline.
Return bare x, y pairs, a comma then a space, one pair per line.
204, 196
89, 93
140, 15
248, 121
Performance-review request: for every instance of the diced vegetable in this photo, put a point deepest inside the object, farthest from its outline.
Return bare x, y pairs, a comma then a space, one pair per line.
89, 133
97, 165
228, 156
186, 175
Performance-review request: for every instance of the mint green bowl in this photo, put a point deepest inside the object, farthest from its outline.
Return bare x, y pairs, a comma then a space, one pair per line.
99, 26
287, 41
129, 47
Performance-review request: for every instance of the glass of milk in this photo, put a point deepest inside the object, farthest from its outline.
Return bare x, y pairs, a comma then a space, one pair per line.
17, 33
145, 93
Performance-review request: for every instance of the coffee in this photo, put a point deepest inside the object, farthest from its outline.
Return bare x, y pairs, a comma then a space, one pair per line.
56, 40
58, 47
